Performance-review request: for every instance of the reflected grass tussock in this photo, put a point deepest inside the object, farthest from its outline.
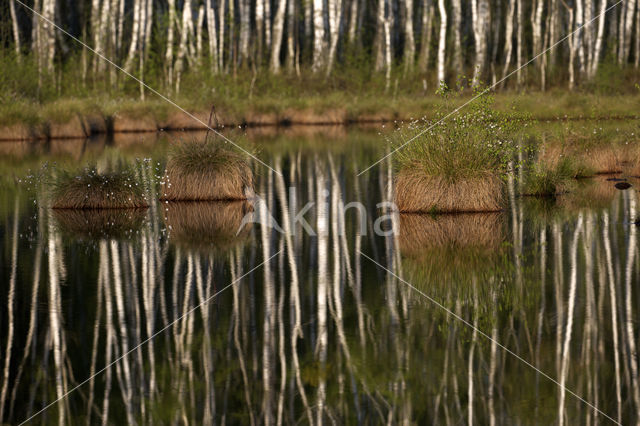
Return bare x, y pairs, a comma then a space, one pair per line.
96, 224
206, 226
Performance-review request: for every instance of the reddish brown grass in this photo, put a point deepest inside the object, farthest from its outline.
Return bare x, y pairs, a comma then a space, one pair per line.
205, 172
419, 193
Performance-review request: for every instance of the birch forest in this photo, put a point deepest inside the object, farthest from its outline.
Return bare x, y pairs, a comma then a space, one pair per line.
432, 40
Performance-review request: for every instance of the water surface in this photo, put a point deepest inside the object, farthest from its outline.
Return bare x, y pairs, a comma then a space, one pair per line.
500, 318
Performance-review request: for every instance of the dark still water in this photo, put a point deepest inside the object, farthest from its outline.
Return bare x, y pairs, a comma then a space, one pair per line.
177, 314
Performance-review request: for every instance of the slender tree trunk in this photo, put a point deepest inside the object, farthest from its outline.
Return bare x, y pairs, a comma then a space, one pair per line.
409, 39
169, 53
213, 36
135, 33
508, 42
456, 19
520, 45
15, 28
245, 28
427, 30
335, 17
260, 23
480, 14
579, 35
442, 42
378, 43
184, 41
599, 39
318, 35
221, 23
278, 29
291, 40
353, 21
630, 11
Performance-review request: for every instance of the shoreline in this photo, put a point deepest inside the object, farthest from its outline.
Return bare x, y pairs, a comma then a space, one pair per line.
81, 117
82, 127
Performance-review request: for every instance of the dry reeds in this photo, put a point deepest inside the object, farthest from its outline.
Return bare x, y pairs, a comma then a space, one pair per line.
99, 223
206, 225
93, 190
590, 160
419, 193
205, 172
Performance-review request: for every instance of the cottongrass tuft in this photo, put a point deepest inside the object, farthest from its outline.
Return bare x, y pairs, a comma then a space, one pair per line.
92, 190
206, 171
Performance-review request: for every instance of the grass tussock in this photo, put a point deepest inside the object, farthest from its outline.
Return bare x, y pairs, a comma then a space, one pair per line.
456, 163
96, 224
92, 190
206, 171
419, 193
206, 225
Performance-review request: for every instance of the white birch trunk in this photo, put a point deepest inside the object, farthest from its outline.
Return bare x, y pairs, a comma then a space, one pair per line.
278, 29
456, 19
378, 43
213, 35
353, 21
318, 35
630, 11
599, 38
335, 16
409, 39
442, 42
425, 41
168, 56
184, 38
260, 23
480, 12
520, 44
135, 33
16, 30
291, 42
199, 27
245, 23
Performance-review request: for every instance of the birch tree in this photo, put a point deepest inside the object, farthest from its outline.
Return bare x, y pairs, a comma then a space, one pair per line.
442, 42
335, 16
318, 35
409, 40
278, 29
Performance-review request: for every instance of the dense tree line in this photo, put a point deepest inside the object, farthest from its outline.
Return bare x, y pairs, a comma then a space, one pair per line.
439, 38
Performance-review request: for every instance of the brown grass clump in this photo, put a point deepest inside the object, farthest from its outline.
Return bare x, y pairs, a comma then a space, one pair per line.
99, 223
591, 160
205, 172
421, 233
206, 225
419, 193
93, 190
